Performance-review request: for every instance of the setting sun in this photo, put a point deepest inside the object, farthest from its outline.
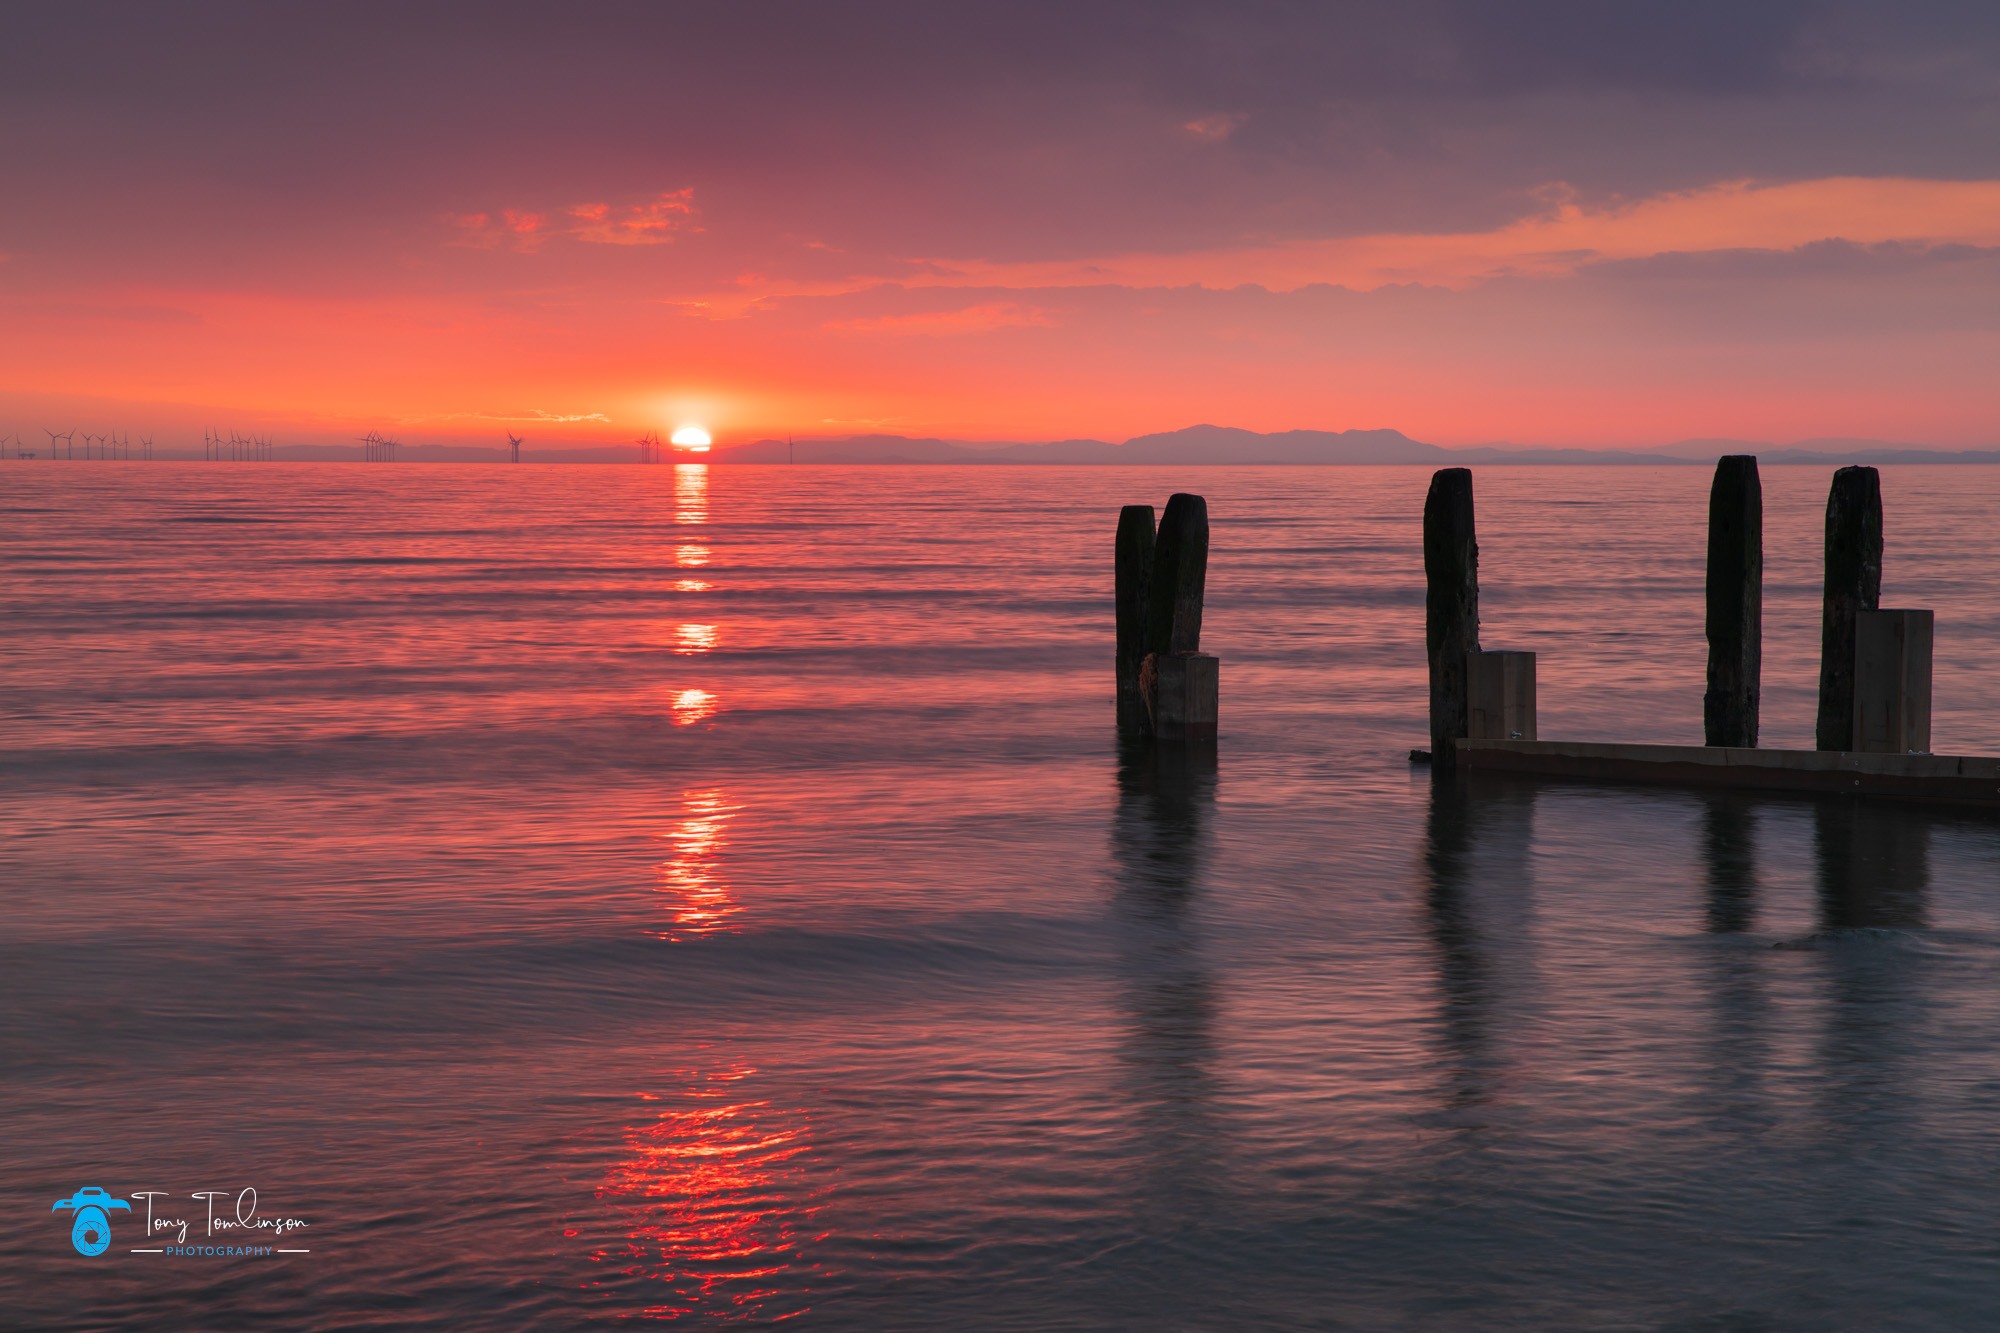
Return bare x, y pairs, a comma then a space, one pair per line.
692, 437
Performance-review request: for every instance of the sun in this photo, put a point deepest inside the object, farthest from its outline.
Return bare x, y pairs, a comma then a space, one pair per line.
692, 438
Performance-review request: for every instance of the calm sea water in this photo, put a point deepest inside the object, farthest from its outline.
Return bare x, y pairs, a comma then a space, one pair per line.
719, 895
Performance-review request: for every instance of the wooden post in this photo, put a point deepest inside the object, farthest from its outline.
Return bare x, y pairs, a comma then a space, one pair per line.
1180, 572
1134, 580
1177, 681
1853, 583
1451, 602
1735, 603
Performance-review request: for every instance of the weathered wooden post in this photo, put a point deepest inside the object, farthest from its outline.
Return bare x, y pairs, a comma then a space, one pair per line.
1735, 621
1451, 603
1180, 572
1178, 681
1134, 579
1853, 584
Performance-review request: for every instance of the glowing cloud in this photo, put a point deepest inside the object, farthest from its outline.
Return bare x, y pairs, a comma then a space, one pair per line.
652, 223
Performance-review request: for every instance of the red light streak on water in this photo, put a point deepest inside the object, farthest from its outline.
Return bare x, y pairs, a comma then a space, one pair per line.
696, 638
689, 707
699, 901
712, 1202
690, 492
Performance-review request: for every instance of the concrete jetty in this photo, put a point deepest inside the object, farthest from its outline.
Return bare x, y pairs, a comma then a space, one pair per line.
1873, 725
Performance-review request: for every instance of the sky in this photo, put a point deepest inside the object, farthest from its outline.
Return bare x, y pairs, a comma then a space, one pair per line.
1546, 222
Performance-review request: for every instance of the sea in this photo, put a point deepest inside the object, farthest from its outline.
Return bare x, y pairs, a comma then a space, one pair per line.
532, 897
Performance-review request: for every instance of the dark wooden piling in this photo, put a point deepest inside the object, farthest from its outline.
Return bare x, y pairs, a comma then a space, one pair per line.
1853, 583
1180, 571
1451, 602
1735, 602
1134, 580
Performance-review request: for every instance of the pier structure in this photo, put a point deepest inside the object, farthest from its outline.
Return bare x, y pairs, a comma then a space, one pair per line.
1873, 725
1167, 687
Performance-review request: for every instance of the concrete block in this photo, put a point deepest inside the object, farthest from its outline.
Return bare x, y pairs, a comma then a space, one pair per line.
1501, 696
1892, 681
1182, 692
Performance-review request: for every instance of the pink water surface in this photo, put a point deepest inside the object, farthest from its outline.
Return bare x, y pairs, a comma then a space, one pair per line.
719, 895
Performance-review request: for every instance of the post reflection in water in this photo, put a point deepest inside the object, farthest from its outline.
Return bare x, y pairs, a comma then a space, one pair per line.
714, 1200
1873, 877
698, 898
1166, 795
1874, 865
1478, 895
1728, 831
1734, 1088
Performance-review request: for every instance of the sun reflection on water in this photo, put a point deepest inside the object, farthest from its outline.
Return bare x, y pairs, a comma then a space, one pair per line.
696, 638
698, 898
690, 492
714, 1202
687, 707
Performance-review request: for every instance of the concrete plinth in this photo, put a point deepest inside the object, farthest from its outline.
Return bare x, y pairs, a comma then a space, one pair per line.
1182, 692
1501, 695
1892, 682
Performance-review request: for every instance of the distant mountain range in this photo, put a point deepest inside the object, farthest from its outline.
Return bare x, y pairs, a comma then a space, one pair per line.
1194, 446
1200, 445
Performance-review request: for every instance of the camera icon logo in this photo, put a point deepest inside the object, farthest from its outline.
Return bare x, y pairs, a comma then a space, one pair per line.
90, 1232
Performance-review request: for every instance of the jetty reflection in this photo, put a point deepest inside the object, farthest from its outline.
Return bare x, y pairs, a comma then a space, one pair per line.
1159, 832
1729, 861
1866, 876
1873, 865
1478, 894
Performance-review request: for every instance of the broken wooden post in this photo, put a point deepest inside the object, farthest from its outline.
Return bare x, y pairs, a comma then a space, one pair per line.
1451, 603
1133, 578
1892, 682
1178, 682
1853, 584
1735, 622
1180, 571
1500, 696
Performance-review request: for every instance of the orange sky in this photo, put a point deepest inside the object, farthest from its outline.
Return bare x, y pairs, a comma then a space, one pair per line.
1541, 265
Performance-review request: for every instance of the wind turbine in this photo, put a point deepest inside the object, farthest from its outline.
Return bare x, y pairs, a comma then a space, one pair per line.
515, 442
